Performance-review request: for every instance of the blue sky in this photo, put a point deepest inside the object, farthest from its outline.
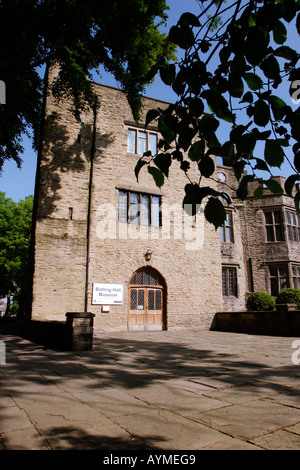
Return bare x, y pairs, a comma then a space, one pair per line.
18, 183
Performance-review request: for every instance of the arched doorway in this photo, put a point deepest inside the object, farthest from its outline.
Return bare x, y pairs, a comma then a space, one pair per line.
147, 300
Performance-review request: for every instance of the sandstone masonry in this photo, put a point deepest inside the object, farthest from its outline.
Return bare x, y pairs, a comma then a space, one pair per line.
185, 279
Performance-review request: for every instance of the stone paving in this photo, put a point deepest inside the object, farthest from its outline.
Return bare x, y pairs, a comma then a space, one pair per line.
170, 390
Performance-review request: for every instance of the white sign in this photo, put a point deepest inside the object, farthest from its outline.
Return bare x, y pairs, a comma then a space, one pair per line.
108, 294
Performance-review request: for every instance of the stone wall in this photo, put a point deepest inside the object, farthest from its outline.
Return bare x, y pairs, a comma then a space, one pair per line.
190, 263
284, 321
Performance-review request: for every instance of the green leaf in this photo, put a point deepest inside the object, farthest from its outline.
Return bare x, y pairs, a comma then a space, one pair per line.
218, 105
163, 162
279, 32
274, 154
274, 186
182, 35
286, 52
256, 45
138, 167
247, 98
297, 161
206, 166
242, 191
261, 113
239, 169
278, 107
295, 127
208, 125
253, 81
261, 165
157, 176
151, 115
258, 193
290, 184
168, 73
297, 202
189, 18
196, 151
236, 85
215, 212
271, 68
167, 125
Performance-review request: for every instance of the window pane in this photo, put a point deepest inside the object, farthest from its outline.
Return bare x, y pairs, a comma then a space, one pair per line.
145, 215
279, 234
155, 210
268, 216
131, 141
277, 217
142, 142
273, 271
146, 277
274, 286
270, 234
153, 279
122, 206
222, 234
140, 300
231, 282
134, 209
153, 143
151, 300
133, 299
228, 234
158, 300
224, 289
139, 277
282, 272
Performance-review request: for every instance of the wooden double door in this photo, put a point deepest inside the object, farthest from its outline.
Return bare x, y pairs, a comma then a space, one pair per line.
146, 301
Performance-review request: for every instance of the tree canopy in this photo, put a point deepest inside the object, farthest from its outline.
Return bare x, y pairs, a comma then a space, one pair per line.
121, 36
15, 229
235, 57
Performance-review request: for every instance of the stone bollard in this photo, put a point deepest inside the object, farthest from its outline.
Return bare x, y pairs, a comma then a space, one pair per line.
80, 331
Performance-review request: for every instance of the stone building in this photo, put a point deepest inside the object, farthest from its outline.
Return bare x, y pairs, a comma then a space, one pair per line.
125, 250
259, 244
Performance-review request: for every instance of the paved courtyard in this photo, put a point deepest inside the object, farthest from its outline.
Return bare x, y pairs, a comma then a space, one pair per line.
181, 390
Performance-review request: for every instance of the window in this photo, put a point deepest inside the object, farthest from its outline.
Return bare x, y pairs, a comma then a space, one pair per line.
226, 231
140, 142
274, 227
296, 276
278, 276
139, 208
293, 226
229, 281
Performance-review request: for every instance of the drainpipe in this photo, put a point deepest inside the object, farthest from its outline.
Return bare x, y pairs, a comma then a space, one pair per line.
88, 230
249, 251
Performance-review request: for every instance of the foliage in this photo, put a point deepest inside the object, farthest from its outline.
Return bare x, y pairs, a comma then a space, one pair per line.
289, 295
15, 229
230, 74
260, 301
121, 36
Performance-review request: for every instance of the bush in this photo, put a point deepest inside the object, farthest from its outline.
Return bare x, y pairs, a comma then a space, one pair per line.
289, 296
260, 301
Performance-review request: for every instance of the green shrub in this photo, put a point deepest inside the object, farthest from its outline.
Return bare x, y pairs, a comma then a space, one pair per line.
289, 296
260, 301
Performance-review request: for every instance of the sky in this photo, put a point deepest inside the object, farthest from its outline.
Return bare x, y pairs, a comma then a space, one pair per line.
19, 183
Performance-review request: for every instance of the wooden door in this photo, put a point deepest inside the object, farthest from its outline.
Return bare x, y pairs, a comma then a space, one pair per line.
146, 301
